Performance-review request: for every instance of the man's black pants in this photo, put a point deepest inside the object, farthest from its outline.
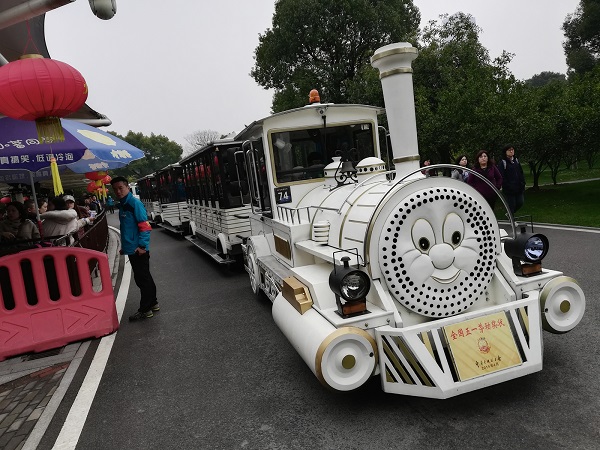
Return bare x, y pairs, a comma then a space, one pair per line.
140, 264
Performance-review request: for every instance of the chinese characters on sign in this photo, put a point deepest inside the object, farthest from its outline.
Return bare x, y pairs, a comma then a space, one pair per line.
482, 346
480, 328
19, 158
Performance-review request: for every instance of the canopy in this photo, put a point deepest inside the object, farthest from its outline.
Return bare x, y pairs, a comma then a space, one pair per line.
85, 148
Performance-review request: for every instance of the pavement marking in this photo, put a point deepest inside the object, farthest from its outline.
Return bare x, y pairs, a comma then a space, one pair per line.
567, 228
41, 425
71, 430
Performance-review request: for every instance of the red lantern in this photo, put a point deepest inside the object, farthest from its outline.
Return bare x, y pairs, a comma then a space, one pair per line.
5, 200
35, 87
91, 187
96, 175
106, 180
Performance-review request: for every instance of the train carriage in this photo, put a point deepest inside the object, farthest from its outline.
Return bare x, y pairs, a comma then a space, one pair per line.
148, 195
391, 273
218, 199
173, 213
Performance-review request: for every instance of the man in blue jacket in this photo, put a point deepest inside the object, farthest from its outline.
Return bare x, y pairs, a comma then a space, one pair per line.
135, 243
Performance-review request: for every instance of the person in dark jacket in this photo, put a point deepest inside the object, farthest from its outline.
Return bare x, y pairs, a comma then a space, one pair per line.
513, 179
486, 167
135, 243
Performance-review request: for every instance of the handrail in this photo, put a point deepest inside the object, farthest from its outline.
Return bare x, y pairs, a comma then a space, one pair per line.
290, 212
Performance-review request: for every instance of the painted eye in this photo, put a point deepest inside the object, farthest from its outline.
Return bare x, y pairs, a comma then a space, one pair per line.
454, 230
456, 237
422, 235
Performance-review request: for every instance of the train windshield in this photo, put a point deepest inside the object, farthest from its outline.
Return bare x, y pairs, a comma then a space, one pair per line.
303, 154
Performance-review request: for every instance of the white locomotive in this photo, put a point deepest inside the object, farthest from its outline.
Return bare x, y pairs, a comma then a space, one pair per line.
391, 273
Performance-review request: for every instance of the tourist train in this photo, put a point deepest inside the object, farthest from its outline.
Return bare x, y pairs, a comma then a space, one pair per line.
375, 272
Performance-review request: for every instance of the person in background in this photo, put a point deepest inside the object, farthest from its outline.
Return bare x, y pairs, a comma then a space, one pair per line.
426, 163
486, 167
91, 206
97, 207
30, 210
82, 212
110, 204
59, 220
428, 173
513, 179
83, 218
135, 243
16, 225
458, 174
42, 205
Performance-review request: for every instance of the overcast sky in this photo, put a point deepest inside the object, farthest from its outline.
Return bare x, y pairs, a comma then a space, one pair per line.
179, 66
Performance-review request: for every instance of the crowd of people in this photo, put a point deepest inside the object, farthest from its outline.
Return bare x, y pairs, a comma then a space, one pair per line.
25, 225
506, 176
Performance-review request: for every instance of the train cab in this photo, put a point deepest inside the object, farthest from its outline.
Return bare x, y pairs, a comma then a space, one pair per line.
148, 193
288, 157
174, 212
218, 199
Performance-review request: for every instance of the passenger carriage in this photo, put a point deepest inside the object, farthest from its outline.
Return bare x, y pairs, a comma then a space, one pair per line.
174, 214
218, 199
149, 196
391, 273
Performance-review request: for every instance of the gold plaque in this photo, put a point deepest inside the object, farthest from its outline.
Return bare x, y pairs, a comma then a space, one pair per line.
482, 346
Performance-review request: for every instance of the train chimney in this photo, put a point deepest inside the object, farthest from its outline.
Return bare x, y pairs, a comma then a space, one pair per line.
395, 72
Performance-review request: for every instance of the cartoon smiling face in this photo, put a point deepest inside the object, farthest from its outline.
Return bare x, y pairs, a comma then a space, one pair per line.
437, 251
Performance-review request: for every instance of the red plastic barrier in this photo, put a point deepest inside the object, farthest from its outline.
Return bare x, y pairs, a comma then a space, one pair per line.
48, 299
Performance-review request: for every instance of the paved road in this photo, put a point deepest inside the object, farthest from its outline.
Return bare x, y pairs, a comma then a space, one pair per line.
212, 371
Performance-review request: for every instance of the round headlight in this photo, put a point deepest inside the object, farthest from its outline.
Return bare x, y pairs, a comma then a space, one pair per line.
349, 283
535, 248
355, 285
528, 247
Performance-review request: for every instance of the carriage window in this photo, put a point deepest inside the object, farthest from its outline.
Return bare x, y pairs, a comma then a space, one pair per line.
303, 154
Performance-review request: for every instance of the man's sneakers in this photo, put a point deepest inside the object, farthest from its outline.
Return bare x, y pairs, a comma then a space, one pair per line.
145, 315
141, 316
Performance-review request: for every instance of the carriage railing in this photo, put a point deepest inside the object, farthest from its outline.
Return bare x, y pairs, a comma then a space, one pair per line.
293, 215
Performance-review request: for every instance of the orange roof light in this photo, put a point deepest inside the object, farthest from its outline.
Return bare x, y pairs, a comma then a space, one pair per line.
313, 97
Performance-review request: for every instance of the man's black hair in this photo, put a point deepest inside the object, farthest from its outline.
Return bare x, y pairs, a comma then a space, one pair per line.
119, 180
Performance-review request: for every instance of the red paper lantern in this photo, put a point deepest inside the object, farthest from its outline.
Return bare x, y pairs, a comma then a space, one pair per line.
5, 200
91, 187
96, 175
35, 87
106, 180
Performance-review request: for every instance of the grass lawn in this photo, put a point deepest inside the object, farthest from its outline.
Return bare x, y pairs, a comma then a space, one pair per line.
582, 173
567, 204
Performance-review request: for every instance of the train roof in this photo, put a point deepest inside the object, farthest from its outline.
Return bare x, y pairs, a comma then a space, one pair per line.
169, 167
254, 126
215, 143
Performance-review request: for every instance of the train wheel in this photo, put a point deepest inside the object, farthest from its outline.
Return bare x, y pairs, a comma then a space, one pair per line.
253, 270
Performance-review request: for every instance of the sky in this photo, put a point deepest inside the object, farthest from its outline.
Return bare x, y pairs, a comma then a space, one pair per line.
181, 66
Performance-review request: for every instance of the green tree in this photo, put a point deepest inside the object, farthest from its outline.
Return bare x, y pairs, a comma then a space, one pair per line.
325, 44
159, 152
582, 32
462, 97
543, 78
